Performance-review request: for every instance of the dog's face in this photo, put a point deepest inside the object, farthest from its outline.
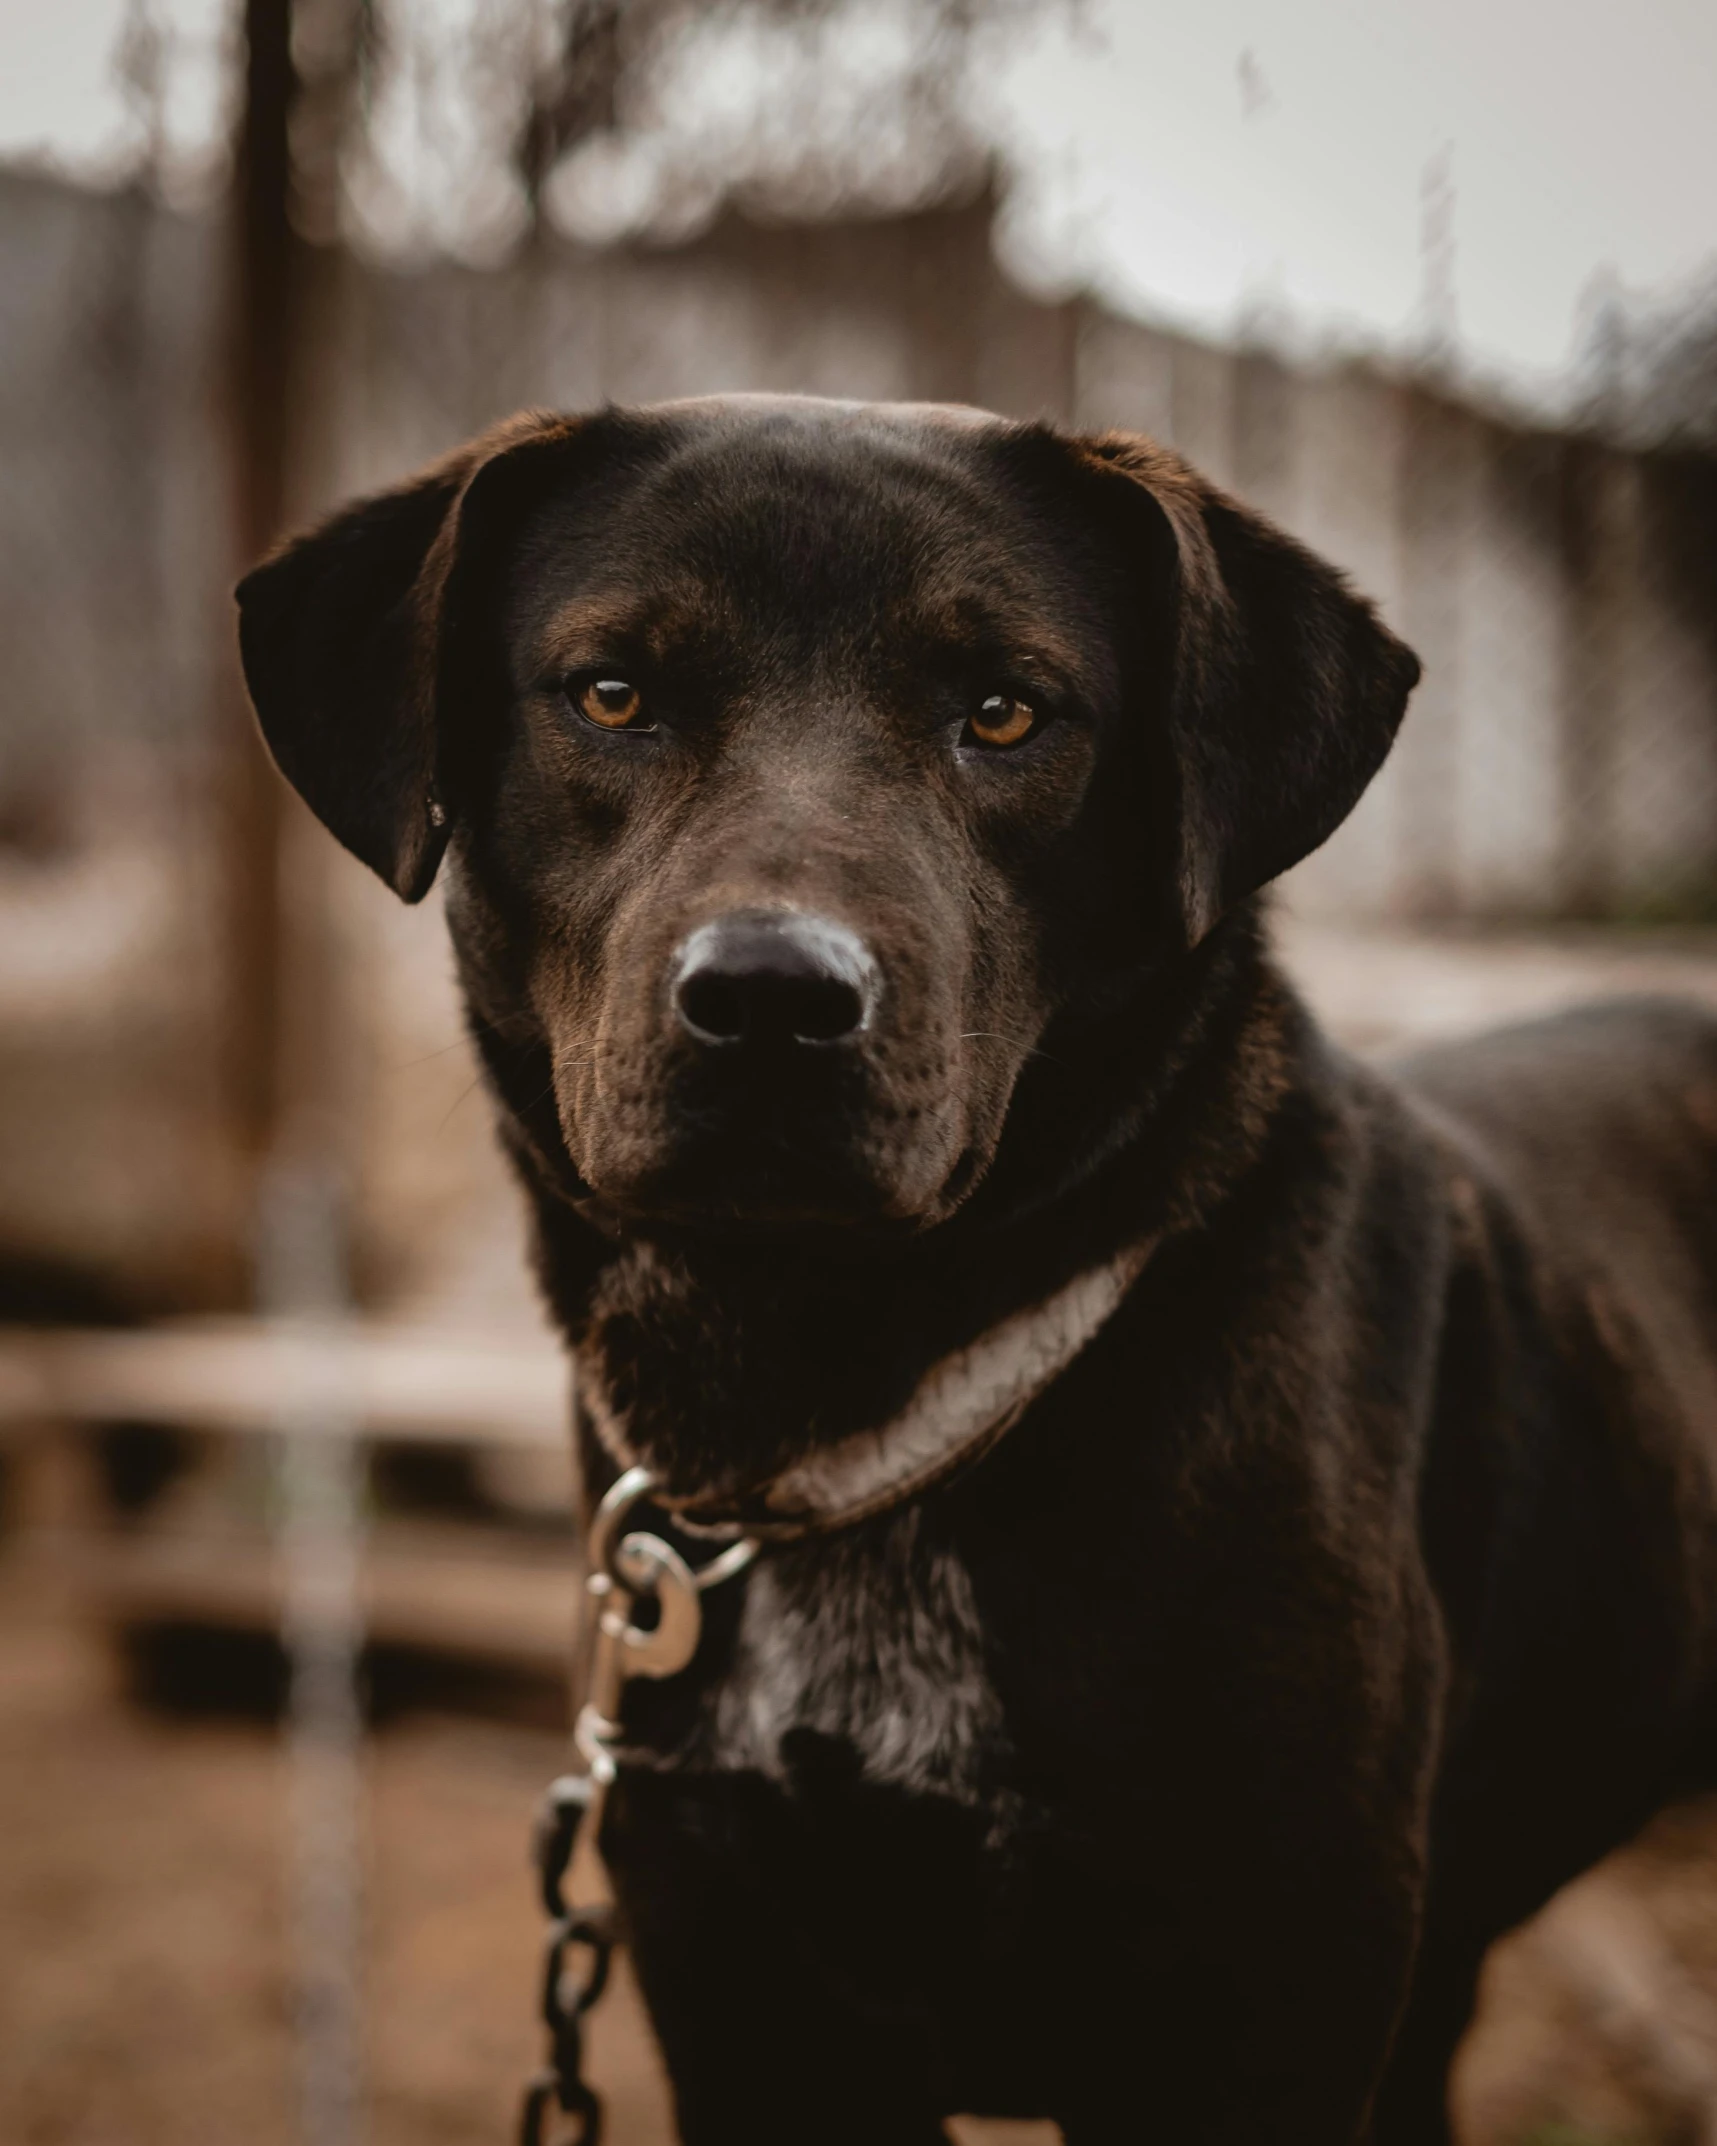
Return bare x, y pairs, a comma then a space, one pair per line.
804, 763
804, 718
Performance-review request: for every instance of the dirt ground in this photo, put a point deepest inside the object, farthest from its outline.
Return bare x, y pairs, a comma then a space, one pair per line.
144, 1976
144, 1968
144, 1973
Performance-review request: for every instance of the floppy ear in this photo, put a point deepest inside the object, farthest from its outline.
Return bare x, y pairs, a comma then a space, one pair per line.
1287, 689
343, 634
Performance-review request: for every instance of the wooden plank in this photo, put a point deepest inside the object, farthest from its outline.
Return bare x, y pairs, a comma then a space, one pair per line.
239, 1375
482, 1594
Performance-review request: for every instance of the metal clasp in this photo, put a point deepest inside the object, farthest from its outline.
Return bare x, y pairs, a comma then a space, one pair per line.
622, 1571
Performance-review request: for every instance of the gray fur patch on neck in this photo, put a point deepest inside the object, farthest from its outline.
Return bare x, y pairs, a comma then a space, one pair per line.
873, 1641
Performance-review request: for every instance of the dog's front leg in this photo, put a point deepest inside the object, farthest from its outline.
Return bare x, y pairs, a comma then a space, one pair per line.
762, 2047
1236, 1947
1153, 2063
1224, 2052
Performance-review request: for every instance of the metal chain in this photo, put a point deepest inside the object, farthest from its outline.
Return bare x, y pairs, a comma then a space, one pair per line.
566, 1996
621, 1571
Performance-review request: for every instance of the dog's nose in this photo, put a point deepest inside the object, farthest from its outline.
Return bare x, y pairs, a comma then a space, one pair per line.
773, 976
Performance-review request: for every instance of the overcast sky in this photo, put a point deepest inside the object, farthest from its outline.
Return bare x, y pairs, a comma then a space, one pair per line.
1206, 158
1280, 148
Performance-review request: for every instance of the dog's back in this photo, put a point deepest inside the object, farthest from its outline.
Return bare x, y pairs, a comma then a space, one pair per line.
1584, 1147
1600, 1127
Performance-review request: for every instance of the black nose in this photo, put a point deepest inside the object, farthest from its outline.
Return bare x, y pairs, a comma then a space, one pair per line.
773, 976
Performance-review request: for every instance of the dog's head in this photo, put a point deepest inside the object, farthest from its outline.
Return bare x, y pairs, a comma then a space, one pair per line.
803, 762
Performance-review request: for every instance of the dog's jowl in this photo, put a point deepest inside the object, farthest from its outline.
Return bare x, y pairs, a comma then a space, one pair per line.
1276, 1503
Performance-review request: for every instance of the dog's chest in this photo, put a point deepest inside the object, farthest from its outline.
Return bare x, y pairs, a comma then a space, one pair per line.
874, 1645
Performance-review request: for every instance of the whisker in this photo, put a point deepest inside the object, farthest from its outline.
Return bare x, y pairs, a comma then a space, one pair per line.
464, 1096
1003, 1035
404, 1065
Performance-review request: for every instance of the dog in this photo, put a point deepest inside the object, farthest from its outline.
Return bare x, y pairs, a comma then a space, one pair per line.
1304, 1558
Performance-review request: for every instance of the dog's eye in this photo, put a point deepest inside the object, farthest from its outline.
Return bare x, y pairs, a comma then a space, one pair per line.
612, 703
1002, 720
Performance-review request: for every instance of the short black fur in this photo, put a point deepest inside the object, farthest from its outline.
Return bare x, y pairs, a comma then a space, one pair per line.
1169, 1773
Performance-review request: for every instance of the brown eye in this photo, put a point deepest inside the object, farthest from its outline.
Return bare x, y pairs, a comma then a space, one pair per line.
1004, 721
614, 703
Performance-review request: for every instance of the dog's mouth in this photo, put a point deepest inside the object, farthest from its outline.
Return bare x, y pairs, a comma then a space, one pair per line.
770, 1164
755, 1182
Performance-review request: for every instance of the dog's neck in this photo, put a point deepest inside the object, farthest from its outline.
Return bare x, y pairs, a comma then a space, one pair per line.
963, 1403
724, 1364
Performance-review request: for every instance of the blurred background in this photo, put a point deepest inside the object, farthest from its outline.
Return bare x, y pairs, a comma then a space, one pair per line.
286, 1559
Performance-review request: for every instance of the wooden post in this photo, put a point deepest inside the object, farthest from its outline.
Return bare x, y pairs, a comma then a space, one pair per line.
261, 319
288, 1081
1437, 477
1591, 526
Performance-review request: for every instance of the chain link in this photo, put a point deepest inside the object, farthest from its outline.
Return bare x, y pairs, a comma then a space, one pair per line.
621, 1570
566, 1995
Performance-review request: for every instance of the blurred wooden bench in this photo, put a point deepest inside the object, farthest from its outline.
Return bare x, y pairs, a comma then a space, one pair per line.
474, 1586
397, 1382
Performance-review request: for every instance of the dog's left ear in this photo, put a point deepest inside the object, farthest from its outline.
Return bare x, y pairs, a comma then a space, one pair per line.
346, 638
1287, 689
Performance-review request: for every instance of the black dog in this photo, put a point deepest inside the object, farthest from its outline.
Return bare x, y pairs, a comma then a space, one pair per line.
853, 815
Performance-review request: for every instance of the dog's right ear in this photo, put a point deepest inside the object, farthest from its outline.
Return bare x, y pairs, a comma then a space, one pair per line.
342, 633
1287, 689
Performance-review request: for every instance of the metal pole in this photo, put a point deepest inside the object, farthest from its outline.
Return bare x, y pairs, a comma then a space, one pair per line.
319, 1490
289, 1086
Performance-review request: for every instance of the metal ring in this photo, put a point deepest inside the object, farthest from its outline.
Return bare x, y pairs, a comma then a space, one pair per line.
622, 1494
606, 1539
732, 1561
